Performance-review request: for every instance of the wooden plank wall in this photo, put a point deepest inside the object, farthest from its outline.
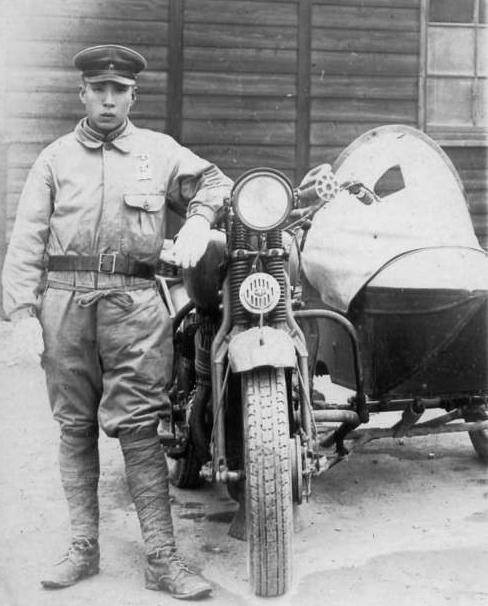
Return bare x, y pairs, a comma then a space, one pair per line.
365, 58
239, 84
41, 91
472, 165
364, 73
244, 83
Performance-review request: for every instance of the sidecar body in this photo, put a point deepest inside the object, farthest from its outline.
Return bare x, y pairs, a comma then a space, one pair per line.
405, 270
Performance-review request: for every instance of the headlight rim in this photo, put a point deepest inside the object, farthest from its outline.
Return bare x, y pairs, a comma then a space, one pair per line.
258, 172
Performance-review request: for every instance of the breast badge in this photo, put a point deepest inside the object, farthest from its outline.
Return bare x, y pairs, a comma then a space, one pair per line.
143, 167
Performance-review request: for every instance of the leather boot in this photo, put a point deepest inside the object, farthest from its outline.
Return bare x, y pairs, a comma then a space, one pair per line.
147, 477
80, 561
166, 571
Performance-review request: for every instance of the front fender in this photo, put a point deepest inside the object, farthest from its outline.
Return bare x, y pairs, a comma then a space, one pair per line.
264, 346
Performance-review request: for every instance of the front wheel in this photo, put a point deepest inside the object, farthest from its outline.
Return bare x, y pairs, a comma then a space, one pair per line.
269, 507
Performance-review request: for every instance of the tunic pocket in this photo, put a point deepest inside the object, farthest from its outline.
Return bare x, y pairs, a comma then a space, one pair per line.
144, 224
150, 203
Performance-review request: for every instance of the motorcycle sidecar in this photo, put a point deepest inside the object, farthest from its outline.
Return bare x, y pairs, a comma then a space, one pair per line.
397, 289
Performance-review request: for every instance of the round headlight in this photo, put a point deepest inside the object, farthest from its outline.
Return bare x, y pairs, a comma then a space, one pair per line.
262, 199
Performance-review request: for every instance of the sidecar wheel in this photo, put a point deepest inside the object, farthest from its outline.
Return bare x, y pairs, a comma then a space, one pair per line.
269, 508
479, 439
184, 472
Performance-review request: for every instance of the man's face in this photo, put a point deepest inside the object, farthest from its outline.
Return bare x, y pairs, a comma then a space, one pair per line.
107, 104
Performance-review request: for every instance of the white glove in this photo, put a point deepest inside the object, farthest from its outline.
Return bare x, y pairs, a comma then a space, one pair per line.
27, 334
191, 244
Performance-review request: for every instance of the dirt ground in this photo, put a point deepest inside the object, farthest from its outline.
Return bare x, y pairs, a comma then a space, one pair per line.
395, 524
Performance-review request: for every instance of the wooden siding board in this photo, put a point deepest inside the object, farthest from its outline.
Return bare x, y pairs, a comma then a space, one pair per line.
480, 224
338, 134
478, 202
234, 173
262, 61
244, 12
374, 64
58, 80
468, 157
239, 84
68, 105
358, 87
371, 3
242, 157
303, 87
239, 36
324, 153
91, 31
364, 110
33, 130
16, 180
132, 10
228, 132
22, 154
365, 17
474, 179
472, 166
54, 55
261, 108
367, 41
175, 69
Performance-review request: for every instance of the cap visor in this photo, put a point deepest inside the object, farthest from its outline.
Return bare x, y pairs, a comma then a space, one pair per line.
109, 78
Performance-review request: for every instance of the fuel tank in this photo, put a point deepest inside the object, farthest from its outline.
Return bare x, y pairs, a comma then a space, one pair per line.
204, 281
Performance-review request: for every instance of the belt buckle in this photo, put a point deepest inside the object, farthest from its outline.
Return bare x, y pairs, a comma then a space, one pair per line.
106, 263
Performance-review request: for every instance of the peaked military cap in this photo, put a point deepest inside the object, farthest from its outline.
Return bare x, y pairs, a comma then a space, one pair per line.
109, 63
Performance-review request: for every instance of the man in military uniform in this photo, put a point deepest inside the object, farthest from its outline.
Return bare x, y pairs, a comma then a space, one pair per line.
92, 213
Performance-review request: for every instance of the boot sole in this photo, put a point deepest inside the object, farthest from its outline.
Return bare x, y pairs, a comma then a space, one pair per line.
203, 593
180, 596
154, 585
56, 585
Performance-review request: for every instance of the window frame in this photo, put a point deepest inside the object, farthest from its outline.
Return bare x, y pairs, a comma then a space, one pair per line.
447, 135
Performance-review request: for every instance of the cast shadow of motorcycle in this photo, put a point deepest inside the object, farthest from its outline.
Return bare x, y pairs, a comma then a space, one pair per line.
369, 272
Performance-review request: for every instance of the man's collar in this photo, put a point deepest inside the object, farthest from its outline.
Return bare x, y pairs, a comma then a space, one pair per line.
92, 139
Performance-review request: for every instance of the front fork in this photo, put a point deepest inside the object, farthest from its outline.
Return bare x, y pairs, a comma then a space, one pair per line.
220, 371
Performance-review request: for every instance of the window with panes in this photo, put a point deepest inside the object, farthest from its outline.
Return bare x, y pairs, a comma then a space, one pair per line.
456, 71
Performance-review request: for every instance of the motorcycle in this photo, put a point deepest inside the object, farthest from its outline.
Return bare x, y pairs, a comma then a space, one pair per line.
241, 390
267, 310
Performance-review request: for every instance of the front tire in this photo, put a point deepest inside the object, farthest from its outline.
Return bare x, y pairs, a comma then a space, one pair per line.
269, 507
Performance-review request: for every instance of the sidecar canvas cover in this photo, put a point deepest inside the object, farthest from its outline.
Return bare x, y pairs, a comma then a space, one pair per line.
407, 270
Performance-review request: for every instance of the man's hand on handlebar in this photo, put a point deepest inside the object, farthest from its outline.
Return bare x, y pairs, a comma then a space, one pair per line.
191, 243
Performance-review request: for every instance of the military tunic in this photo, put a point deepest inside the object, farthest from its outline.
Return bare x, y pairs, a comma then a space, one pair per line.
107, 336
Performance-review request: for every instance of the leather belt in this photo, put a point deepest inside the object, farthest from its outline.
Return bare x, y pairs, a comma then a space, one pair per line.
104, 263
